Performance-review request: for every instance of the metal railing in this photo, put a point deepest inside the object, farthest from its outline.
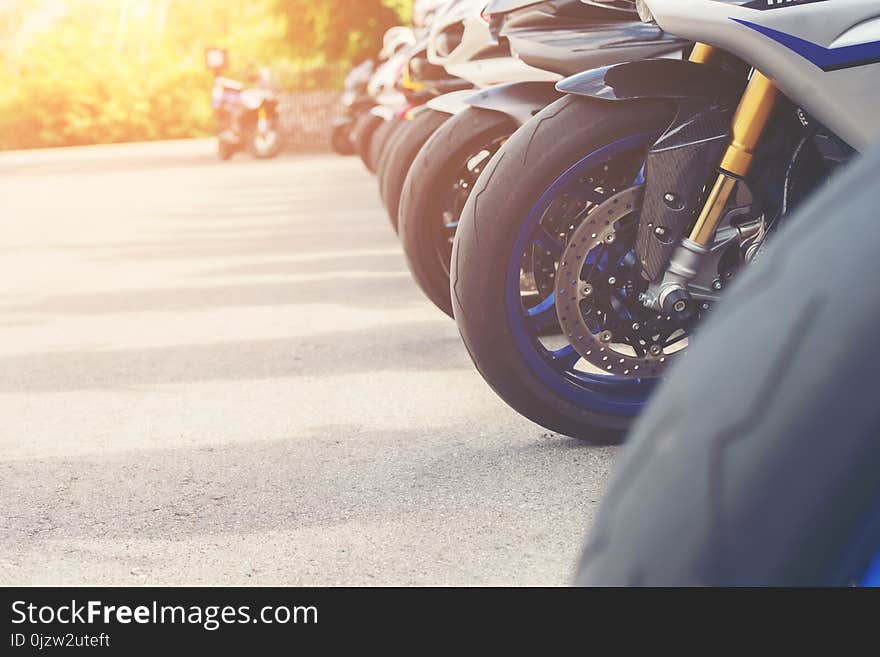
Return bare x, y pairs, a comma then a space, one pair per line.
305, 118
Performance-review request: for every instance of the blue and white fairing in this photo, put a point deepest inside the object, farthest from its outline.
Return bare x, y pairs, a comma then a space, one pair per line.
823, 54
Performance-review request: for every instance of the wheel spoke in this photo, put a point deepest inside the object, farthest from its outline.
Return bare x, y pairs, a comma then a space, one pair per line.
565, 358
640, 177
624, 302
632, 305
542, 315
552, 246
596, 262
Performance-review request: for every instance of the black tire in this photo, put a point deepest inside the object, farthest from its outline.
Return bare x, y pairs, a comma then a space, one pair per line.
380, 140
225, 150
430, 179
757, 462
399, 156
381, 168
270, 152
364, 129
534, 157
341, 141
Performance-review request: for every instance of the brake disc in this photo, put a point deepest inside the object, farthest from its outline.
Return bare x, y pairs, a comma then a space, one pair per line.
560, 221
597, 296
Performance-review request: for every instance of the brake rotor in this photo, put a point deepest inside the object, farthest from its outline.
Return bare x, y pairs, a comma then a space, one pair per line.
560, 221
597, 295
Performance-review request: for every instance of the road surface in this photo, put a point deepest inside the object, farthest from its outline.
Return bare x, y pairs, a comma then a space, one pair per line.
221, 373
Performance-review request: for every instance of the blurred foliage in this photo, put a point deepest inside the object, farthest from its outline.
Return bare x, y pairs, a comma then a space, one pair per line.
324, 29
100, 71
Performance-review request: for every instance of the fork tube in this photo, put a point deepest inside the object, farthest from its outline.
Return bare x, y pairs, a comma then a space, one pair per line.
701, 54
749, 121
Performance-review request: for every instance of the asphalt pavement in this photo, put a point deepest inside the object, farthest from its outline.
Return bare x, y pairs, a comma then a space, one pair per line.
221, 373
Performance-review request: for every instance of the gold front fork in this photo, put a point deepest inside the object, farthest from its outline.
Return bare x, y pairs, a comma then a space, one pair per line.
749, 121
702, 53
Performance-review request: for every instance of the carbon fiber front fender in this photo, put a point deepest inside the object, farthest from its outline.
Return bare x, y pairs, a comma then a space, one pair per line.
685, 157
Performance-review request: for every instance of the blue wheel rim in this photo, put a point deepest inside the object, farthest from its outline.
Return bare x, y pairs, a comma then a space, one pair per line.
611, 395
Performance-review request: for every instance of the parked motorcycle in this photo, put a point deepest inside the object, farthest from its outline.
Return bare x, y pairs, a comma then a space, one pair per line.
462, 43
397, 44
756, 465
390, 87
556, 38
621, 212
417, 82
356, 102
246, 117
424, 13
462, 46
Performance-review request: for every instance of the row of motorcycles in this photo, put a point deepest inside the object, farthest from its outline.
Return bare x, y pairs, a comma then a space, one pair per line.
663, 211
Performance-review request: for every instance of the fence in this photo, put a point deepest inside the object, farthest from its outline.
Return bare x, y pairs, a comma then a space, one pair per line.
305, 118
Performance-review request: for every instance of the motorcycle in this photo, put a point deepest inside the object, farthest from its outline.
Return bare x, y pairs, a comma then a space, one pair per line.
246, 117
397, 43
767, 477
460, 44
356, 101
425, 11
603, 231
556, 38
416, 82
390, 90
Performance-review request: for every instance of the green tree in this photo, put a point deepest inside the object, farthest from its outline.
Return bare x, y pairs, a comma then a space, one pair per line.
341, 31
99, 71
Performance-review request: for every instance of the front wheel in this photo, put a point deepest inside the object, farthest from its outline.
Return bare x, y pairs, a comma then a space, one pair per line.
225, 149
757, 463
362, 135
399, 156
437, 186
266, 144
527, 206
340, 140
381, 138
